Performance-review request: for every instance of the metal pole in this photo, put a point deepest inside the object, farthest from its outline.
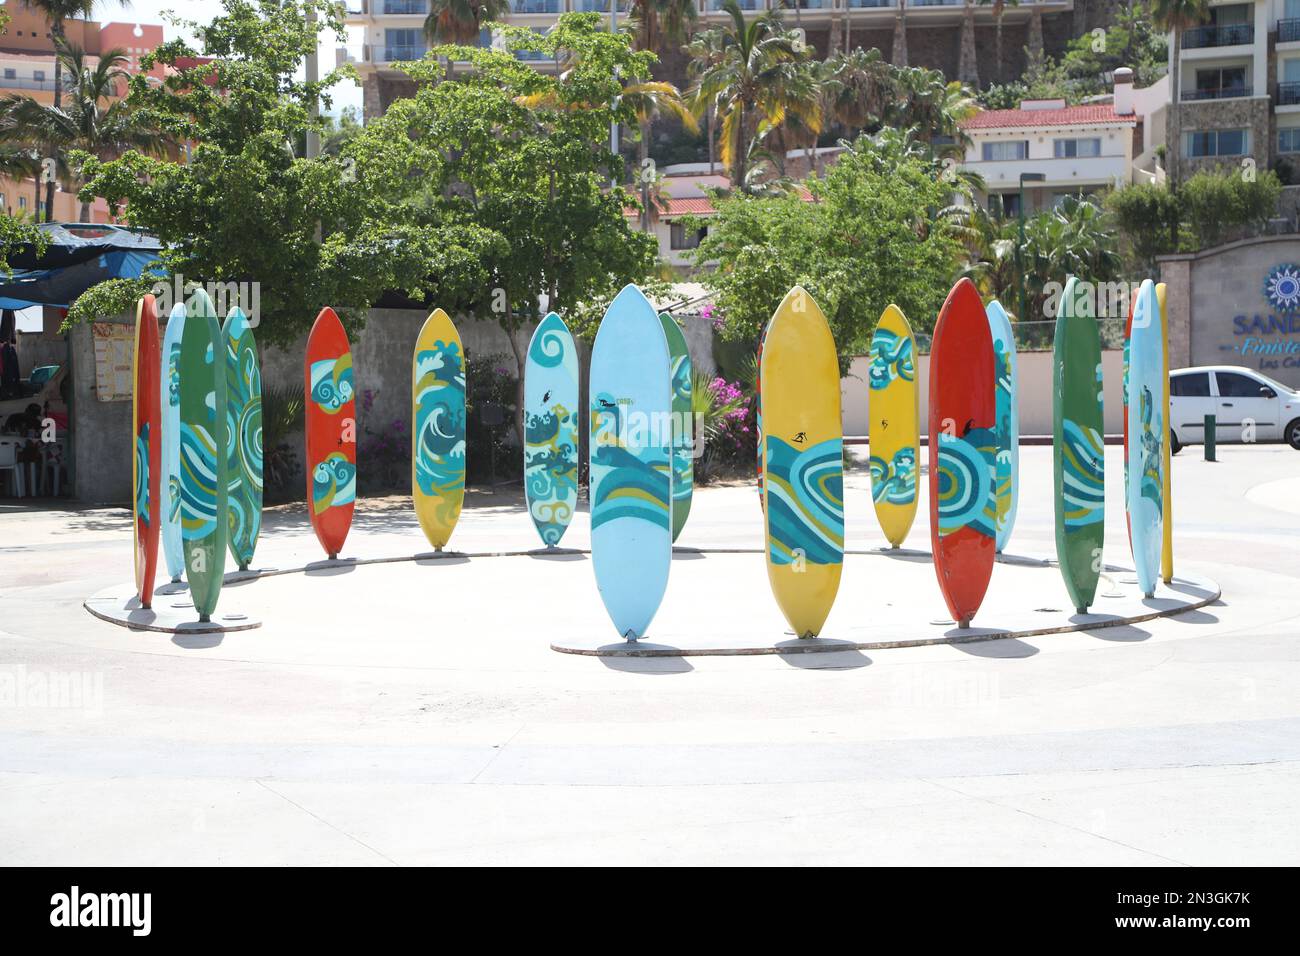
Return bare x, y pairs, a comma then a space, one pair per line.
313, 76
1210, 436
1020, 251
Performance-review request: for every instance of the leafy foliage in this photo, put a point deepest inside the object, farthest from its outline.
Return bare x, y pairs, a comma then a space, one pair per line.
872, 236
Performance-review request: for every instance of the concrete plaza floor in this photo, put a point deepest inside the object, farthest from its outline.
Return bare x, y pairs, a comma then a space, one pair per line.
413, 712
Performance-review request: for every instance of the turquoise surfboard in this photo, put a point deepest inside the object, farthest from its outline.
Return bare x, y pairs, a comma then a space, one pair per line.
1147, 433
170, 476
551, 429
683, 423
204, 479
1006, 396
630, 395
244, 436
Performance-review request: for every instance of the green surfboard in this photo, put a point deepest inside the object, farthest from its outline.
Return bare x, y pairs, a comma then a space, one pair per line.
683, 423
244, 435
204, 463
1078, 455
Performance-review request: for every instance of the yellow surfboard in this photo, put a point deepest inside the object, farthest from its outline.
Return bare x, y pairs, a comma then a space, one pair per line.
892, 403
803, 462
438, 431
1167, 546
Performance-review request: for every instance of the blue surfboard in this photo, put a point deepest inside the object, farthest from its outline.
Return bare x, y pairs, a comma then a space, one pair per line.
630, 395
551, 429
1147, 433
169, 478
1006, 474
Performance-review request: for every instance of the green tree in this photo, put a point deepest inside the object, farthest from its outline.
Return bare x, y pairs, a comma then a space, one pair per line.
872, 237
92, 121
521, 157
1073, 239
1177, 16
1216, 203
655, 25
460, 22
1148, 218
753, 84
244, 208
58, 12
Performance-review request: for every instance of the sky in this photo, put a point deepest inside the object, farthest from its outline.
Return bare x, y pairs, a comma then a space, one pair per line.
346, 94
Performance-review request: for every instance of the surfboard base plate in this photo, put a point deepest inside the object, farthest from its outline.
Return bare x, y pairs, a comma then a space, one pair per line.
121, 606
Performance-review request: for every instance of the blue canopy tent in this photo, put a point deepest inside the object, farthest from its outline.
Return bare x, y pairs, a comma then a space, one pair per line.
76, 257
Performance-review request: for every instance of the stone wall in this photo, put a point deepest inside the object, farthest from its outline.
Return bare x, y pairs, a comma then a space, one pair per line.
1219, 313
1254, 114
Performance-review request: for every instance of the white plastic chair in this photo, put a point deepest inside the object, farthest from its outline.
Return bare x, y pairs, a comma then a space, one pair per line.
9, 463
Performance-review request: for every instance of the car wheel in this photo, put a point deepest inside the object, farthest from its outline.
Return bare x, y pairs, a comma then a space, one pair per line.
1292, 434
1175, 446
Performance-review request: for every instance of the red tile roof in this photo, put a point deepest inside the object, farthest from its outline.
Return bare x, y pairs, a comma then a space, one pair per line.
1067, 116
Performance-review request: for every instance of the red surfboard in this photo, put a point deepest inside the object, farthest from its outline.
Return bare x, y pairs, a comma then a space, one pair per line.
963, 506
146, 462
331, 430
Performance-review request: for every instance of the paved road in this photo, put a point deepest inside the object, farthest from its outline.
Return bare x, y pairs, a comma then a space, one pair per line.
413, 713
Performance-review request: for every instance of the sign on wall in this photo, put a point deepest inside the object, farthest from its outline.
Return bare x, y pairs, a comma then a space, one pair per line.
1266, 332
114, 346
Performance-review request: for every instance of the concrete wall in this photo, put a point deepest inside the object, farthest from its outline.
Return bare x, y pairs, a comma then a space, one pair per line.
1034, 371
381, 355
1219, 308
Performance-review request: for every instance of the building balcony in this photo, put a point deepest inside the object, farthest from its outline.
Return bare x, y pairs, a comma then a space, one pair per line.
1239, 34
1288, 31
1217, 93
536, 7
596, 6
867, 4
1288, 94
1059, 173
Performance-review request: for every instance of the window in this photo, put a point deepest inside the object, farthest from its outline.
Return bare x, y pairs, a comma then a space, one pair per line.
1217, 142
1007, 149
1004, 205
1071, 148
679, 237
1192, 385
1221, 81
1288, 140
38, 76
22, 202
1233, 385
403, 44
11, 74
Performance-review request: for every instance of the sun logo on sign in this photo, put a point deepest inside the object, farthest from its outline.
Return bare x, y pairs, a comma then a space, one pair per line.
1282, 288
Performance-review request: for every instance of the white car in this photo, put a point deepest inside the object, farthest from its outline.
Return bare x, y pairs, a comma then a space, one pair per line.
1238, 398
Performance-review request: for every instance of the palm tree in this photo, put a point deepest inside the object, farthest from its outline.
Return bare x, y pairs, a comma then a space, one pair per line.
1177, 16
651, 99
753, 85
93, 120
999, 8
705, 51
931, 104
859, 87
967, 67
460, 21
898, 55
59, 12
654, 25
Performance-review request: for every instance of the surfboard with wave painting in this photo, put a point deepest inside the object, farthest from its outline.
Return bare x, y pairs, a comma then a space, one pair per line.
146, 461
803, 462
203, 453
630, 396
962, 449
330, 413
1078, 453
551, 429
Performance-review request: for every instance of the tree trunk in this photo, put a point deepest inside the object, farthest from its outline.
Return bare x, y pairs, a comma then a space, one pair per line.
709, 120
83, 213
1036, 32
36, 198
967, 68
1174, 149
1000, 70
517, 419
738, 151
56, 32
898, 56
